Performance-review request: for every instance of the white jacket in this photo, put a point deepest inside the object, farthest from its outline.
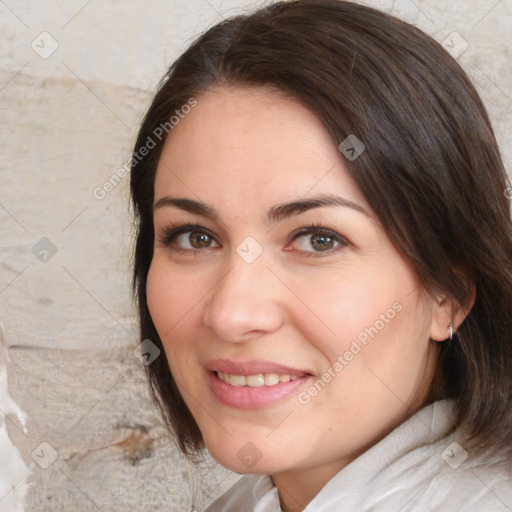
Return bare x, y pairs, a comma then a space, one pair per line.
419, 467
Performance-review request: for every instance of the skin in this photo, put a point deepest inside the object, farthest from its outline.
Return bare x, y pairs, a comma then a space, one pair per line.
242, 151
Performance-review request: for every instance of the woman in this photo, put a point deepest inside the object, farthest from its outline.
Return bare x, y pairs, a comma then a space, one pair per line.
324, 256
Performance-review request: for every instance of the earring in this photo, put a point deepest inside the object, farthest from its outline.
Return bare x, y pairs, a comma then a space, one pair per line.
451, 331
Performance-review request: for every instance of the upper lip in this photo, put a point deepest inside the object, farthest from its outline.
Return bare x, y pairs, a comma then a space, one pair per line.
252, 367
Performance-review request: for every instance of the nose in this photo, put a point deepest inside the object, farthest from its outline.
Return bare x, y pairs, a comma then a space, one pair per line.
246, 303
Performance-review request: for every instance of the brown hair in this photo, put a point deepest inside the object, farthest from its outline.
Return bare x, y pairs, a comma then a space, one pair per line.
432, 173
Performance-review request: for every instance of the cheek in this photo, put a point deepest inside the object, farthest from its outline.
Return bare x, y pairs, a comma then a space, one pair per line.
342, 308
170, 295
371, 318
174, 304
159, 293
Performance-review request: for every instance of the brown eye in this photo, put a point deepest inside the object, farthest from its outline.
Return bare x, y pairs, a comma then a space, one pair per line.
188, 238
321, 242
194, 240
199, 240
318, 240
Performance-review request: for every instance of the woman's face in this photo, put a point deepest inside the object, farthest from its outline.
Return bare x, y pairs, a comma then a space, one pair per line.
297, 334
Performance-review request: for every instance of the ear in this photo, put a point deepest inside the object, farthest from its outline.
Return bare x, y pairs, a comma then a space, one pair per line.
448, 312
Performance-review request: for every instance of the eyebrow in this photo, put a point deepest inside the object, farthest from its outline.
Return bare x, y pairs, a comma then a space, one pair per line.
275, 214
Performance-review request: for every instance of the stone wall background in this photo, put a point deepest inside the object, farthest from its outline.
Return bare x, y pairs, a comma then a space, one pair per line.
68, 119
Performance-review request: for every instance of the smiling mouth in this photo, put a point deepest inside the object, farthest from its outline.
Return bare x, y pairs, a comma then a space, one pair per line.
254, 390
256, 380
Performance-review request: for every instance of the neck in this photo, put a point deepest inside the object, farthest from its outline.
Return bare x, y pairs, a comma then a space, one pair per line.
298, 488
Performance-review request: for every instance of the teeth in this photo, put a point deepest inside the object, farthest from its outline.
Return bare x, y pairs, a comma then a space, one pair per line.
271, 379
256, 381
237, 380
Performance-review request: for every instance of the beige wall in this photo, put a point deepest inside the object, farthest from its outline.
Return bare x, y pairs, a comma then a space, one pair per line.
67, 123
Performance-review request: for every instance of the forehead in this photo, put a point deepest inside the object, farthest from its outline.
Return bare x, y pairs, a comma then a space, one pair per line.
251, 142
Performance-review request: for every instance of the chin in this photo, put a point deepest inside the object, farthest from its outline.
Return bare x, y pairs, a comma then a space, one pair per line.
247, 459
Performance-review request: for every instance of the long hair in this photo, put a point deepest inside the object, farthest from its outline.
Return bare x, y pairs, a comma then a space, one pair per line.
431, 171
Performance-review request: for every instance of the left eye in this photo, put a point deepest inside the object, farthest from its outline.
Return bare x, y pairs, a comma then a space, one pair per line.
318, 242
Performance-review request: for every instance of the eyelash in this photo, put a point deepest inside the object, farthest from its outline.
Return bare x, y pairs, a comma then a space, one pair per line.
172, 231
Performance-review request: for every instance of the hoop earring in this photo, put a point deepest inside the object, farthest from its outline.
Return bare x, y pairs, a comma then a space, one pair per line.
451, 331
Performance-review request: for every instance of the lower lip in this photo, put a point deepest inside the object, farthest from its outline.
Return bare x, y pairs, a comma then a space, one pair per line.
245, 397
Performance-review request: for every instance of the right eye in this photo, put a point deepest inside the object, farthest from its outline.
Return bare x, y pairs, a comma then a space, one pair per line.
186, 237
